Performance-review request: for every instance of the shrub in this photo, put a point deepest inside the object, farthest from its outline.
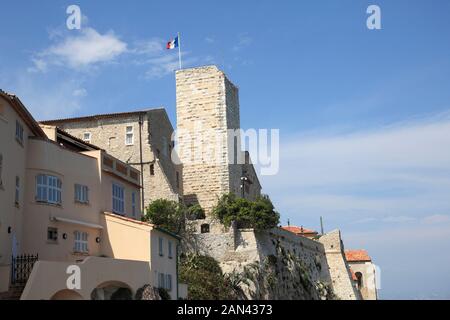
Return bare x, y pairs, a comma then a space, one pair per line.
204, 278
195, 212
164, 294
258, 214
166, 214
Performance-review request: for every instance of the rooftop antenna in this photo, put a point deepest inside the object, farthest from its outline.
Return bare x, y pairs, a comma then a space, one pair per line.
321, 225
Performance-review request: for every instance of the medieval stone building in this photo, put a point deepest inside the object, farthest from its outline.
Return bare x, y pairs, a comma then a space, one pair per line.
208, 123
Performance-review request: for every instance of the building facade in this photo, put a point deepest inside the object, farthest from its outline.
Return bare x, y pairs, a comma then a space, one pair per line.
65, 203
142, 139
209, 141
364, 273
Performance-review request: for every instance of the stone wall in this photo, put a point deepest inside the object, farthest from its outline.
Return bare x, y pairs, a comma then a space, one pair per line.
342, 282
278, 264
207, 107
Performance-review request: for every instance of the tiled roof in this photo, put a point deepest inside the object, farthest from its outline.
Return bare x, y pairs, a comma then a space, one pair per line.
299, 230
100, 116
357, 255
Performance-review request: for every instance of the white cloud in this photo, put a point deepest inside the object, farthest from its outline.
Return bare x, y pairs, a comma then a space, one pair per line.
88, 48
400, 170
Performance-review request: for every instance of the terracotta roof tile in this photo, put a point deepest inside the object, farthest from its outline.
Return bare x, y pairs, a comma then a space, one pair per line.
357, 255
299, 230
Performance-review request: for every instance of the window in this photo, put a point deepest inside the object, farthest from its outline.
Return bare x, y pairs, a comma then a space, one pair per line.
168, 282
81, 242
178, 180
165, 281
48, 189
165, 146
161, 281
81, 193
152, 169
161, 252
118, 199
129, 136
1, 169
170, 250
133, 204
17, 195
87, 137
204, 228
52, 234
19, 132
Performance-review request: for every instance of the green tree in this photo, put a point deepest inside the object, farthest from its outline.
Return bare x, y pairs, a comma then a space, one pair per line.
166, 214
259, 214
195, 212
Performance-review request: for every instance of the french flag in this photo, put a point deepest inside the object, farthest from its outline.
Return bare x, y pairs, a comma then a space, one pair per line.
172, 44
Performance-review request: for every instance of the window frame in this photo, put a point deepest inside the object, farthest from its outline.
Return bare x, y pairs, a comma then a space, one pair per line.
133, 204
81, 242
90, 137
17, 191
169, 250
161, 246
127, 133
118, 199
53, 230
51, 189
19, 132
83, 193
168, 282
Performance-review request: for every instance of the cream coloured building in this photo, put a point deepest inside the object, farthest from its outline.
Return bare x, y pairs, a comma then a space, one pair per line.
65, 202
142, 139
363, 272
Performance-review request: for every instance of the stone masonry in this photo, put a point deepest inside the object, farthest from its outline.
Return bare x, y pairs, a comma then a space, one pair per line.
279, 264
207, 107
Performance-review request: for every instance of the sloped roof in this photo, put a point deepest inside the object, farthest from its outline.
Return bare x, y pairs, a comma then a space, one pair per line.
299, 230
100, 116
23, 113
357, 255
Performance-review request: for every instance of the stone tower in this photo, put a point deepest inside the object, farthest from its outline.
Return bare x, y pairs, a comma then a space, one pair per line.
207, 107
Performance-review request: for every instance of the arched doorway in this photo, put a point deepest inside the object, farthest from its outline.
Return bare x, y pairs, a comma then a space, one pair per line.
112, 290
359, 279
66, 294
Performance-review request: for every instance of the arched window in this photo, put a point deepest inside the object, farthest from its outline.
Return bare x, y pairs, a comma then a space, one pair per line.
359, 279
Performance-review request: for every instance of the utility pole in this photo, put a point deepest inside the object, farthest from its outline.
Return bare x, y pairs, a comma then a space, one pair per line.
321, 225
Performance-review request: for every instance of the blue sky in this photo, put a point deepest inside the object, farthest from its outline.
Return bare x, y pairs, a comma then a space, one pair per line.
364, 115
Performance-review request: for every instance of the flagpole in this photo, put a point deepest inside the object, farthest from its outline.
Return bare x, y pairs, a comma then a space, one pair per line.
179, 49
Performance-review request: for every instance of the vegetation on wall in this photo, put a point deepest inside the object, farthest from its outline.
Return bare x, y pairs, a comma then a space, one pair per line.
259, 214
166, 214
204, 278
172, 215
195, 212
